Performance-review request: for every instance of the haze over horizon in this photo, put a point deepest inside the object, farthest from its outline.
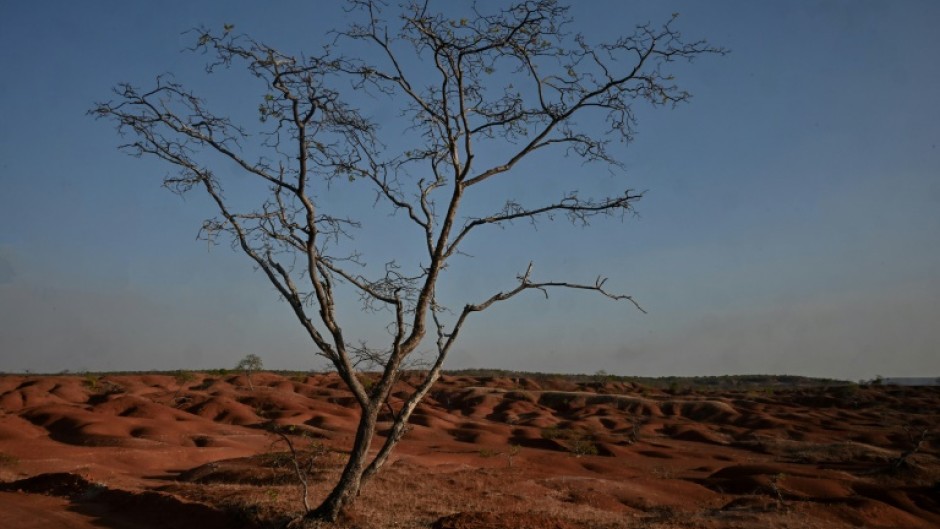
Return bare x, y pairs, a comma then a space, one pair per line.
791, 222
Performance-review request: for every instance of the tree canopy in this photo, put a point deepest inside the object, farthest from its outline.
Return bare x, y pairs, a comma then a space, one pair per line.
479, 94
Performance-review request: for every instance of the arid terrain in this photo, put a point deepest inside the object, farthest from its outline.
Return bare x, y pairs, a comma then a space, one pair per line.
196, 450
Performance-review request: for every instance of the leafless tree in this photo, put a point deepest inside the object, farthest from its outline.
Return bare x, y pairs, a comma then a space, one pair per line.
249, 364
514, 77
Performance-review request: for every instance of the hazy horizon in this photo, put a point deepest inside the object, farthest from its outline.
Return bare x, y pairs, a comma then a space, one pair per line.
791, 222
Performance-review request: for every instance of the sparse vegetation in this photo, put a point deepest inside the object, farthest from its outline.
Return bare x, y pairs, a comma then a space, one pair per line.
184, 377
100, 386
301, 459
249, 365
488, 452
634, 435
917, 438
776, 490
553, 432
92, 381
367, 381
273, 494
513, 451
583, 446
578, 442
800, 449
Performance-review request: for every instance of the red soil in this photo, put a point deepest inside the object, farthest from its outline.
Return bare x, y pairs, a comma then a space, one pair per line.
153, 451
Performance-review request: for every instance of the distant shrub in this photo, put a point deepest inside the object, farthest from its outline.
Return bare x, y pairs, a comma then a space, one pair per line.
92, 381
7, 460
488, 452
583, 447
577, 442
184, 377
366, 381
552, 432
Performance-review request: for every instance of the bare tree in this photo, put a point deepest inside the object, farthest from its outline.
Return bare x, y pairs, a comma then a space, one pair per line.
514, 77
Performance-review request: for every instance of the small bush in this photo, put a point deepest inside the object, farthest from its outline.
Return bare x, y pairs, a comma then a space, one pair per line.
92, 381
552, 433
583, 447
488, 452
366, 380
184, 377
6, 460
578, 443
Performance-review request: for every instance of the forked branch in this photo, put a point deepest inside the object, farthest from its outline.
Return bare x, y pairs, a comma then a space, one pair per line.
478, 96
577, 209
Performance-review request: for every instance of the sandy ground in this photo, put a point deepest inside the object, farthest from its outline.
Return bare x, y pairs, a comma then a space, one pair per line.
158, 451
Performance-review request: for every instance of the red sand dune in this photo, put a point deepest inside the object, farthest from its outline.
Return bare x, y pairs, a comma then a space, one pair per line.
148, 451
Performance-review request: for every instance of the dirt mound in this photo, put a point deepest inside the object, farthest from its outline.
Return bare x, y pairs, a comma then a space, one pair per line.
112, 506
135, 451
55, 484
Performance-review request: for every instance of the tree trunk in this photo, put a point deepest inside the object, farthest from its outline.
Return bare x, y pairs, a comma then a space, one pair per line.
400, 424
349, 483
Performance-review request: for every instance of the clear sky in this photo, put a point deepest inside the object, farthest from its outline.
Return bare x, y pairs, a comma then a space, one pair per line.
791, 223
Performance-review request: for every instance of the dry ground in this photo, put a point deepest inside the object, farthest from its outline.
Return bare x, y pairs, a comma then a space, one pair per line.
193, 450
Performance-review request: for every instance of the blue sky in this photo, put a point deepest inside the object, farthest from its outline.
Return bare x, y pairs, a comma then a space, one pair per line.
790, 224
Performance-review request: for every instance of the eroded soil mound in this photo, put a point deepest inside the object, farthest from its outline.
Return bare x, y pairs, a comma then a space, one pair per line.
118, 508
196, 450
